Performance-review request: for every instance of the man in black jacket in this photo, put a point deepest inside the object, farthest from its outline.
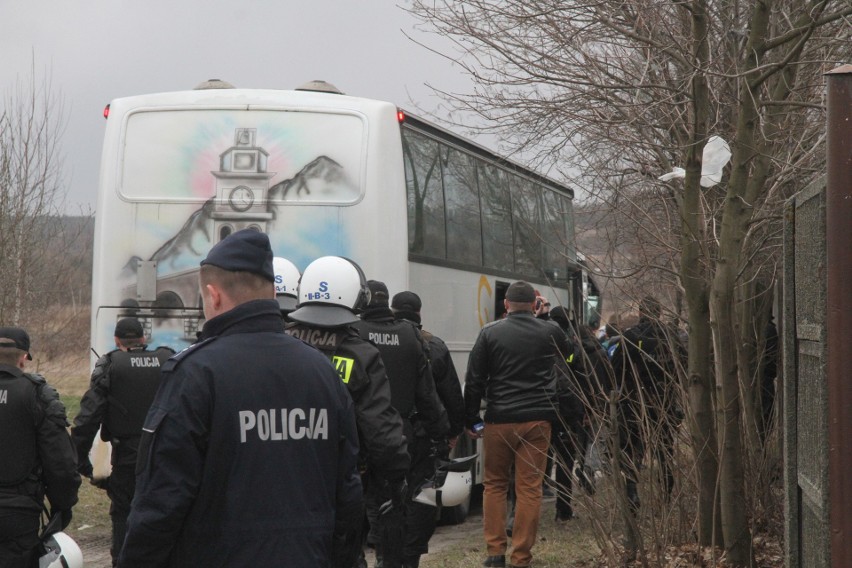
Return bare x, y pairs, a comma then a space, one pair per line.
249, 452
332, 288
513, 366
424, 418
38, 456
121, 390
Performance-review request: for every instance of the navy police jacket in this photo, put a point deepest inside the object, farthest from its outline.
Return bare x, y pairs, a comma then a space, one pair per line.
248, 455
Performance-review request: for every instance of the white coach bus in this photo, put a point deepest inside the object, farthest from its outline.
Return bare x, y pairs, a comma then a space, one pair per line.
321, 173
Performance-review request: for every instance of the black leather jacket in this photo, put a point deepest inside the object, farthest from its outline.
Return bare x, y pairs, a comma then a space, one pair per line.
513, 366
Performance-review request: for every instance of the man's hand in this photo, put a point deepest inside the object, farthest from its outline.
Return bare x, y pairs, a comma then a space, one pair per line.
542, 306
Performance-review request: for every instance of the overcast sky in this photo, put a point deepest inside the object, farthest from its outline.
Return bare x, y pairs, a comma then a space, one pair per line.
98, 50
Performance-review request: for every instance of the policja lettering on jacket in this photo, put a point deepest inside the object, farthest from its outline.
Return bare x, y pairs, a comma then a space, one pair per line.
317, 337
149, 361
384, 338
284, 424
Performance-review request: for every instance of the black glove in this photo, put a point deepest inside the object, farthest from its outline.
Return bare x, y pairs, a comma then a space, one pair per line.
100, 483
64, 514
398, 490
440, 448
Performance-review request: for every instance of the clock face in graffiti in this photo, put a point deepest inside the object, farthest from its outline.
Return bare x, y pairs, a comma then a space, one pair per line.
241, 198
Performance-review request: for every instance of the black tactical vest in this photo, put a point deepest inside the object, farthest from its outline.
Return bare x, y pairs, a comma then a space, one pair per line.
134, 379
402, 352
17, 429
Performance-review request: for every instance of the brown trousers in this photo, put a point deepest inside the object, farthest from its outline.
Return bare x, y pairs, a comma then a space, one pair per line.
523, 445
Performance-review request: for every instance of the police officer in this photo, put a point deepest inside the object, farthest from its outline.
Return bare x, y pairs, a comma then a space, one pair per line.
644, 365
38, 456
421, 518
406, 306
413, 395
332, 288
122, 387
249, 451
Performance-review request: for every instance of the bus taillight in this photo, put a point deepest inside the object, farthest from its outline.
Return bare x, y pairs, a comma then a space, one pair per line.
400, 115
106, 111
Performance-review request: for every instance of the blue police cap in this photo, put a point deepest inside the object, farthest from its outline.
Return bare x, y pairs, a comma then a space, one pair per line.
247, 250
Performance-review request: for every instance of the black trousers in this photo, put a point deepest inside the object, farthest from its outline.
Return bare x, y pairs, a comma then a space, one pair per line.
122, 484
417, 521
637, 431
569, 444
19, 528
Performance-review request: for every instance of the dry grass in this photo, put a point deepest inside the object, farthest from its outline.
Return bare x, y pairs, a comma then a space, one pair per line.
69, 374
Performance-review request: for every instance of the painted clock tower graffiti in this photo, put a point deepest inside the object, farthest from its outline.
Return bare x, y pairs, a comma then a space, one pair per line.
242, 186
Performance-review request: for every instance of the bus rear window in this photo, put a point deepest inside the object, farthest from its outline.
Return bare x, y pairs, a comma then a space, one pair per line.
242, 157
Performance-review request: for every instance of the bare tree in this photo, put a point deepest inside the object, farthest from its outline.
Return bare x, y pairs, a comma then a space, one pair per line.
613, 94
40, 250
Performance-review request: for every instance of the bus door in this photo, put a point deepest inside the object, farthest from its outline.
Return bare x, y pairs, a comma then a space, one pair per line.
500, 295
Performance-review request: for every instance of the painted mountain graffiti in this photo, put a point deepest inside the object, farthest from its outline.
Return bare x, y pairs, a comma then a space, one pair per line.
198, 224
323, 175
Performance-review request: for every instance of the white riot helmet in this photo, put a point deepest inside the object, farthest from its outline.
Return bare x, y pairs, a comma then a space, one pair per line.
286, 283
331, 291
60, 551
450, 486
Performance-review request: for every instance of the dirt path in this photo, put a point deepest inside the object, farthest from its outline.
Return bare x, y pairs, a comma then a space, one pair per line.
95, 547
95, 544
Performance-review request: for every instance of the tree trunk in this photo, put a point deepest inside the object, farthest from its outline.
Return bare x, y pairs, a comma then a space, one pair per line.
693, 273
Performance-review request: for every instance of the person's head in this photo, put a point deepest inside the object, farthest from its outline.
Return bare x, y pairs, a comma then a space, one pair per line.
406, 305
562, 316
237, 269
286, 284
379, 294
650, 309
14, 347
332, 290
129, 334
520, 297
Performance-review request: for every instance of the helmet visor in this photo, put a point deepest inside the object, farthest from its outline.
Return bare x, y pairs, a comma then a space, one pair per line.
323, 315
